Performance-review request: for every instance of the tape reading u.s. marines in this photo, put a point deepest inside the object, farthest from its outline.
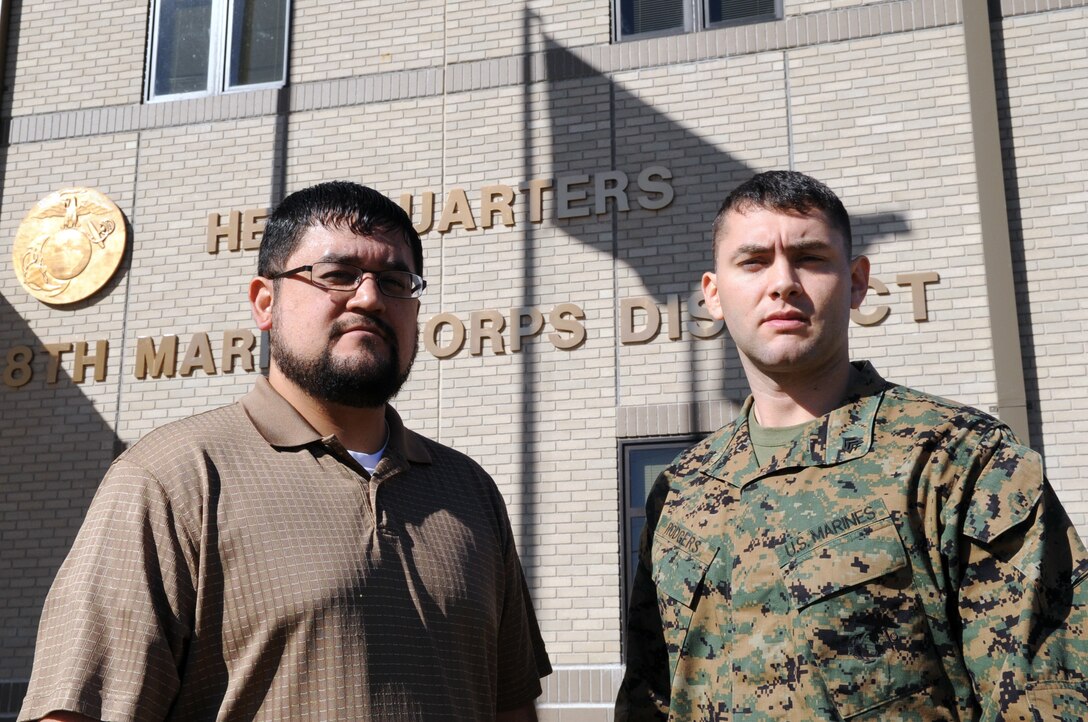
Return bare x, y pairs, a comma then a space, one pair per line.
830, 529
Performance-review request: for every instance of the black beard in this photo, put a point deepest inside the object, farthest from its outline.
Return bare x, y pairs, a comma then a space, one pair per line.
368, 384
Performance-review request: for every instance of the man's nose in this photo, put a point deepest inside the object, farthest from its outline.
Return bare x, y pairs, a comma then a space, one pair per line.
367, 295
784, 279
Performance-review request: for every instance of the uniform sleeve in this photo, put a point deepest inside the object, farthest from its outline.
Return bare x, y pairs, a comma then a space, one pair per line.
523, 659
1022, 594
113, 630
645, 691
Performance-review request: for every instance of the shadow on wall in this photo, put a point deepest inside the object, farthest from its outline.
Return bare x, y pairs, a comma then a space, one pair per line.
54, 448
597, 126
1016, 236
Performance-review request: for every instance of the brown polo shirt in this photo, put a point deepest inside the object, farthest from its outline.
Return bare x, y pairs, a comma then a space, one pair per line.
235, 565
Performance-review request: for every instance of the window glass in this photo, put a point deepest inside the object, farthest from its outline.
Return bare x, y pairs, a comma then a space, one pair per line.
183, 40
646, 463
638, 18
258, 30
211, 46
718, 11
647, 16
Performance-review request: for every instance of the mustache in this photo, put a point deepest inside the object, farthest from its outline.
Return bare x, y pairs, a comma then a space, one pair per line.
365, 322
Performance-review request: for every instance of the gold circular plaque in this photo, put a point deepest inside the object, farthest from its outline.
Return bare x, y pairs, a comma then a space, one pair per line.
69, 245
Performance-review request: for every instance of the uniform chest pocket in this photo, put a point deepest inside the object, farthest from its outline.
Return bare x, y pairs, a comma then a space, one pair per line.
866, 630
680, 578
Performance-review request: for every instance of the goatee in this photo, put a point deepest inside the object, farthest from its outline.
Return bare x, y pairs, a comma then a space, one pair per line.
367, 382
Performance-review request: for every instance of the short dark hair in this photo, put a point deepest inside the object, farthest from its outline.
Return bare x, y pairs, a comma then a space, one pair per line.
333, 204
786, 191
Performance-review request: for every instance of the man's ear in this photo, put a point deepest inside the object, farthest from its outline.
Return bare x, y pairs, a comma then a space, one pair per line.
260, 302
710, 295
859, 281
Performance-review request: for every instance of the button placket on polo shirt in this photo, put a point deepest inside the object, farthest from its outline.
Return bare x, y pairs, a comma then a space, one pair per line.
391, 465
350, 469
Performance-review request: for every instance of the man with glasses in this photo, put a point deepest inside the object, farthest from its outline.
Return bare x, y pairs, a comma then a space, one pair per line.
299, 554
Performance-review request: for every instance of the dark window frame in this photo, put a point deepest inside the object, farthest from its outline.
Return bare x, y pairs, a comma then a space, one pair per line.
696, 17
636, 509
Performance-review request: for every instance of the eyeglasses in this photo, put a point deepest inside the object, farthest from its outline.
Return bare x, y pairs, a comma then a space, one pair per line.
336, 276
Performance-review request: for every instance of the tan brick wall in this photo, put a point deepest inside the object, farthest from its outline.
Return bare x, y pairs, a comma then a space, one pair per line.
713, 124
67, 54
176, 287
893, 11
334, 40
543, 436
56, 439
885, 122
339, 40
488, 29
1049, 126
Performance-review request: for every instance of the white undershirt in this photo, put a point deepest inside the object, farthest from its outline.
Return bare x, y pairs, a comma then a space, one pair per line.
370, 461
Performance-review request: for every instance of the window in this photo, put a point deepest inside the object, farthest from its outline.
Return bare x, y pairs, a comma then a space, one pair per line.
646, 18
200, 47
642, 461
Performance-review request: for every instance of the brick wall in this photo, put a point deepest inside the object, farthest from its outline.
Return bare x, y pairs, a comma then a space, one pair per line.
1047, 137
67, 54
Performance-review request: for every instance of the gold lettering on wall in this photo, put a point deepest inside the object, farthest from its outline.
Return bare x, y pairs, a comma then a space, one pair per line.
574, 196
18, 371
917, 283
55, 351
653, 181
486, 324
85, 358
702, 325
879, 313
640, 319
456, 209
444, 333
536, 190
238, 348
525, 323
433, 330
156, 361
161, 359
426, 213
569, 332
198, 355
242, 230
496, 199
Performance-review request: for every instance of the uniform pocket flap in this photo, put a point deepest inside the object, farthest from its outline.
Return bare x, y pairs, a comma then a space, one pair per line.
864, 554
679, 574
1007, 490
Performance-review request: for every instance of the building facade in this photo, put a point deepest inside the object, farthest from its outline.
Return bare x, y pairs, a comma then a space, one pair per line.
564, 162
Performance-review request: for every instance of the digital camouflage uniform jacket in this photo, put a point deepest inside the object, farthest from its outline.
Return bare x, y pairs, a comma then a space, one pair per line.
905, 559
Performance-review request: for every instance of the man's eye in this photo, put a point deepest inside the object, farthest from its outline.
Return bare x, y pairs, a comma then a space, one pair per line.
337, 277
397, 281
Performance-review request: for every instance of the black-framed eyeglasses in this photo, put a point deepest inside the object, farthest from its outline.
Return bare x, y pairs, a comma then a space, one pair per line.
337, 276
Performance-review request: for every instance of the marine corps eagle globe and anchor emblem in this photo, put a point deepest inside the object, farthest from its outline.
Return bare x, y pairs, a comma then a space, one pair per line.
69, 245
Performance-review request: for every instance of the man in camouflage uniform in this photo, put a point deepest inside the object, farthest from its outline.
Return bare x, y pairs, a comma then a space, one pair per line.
847, 548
